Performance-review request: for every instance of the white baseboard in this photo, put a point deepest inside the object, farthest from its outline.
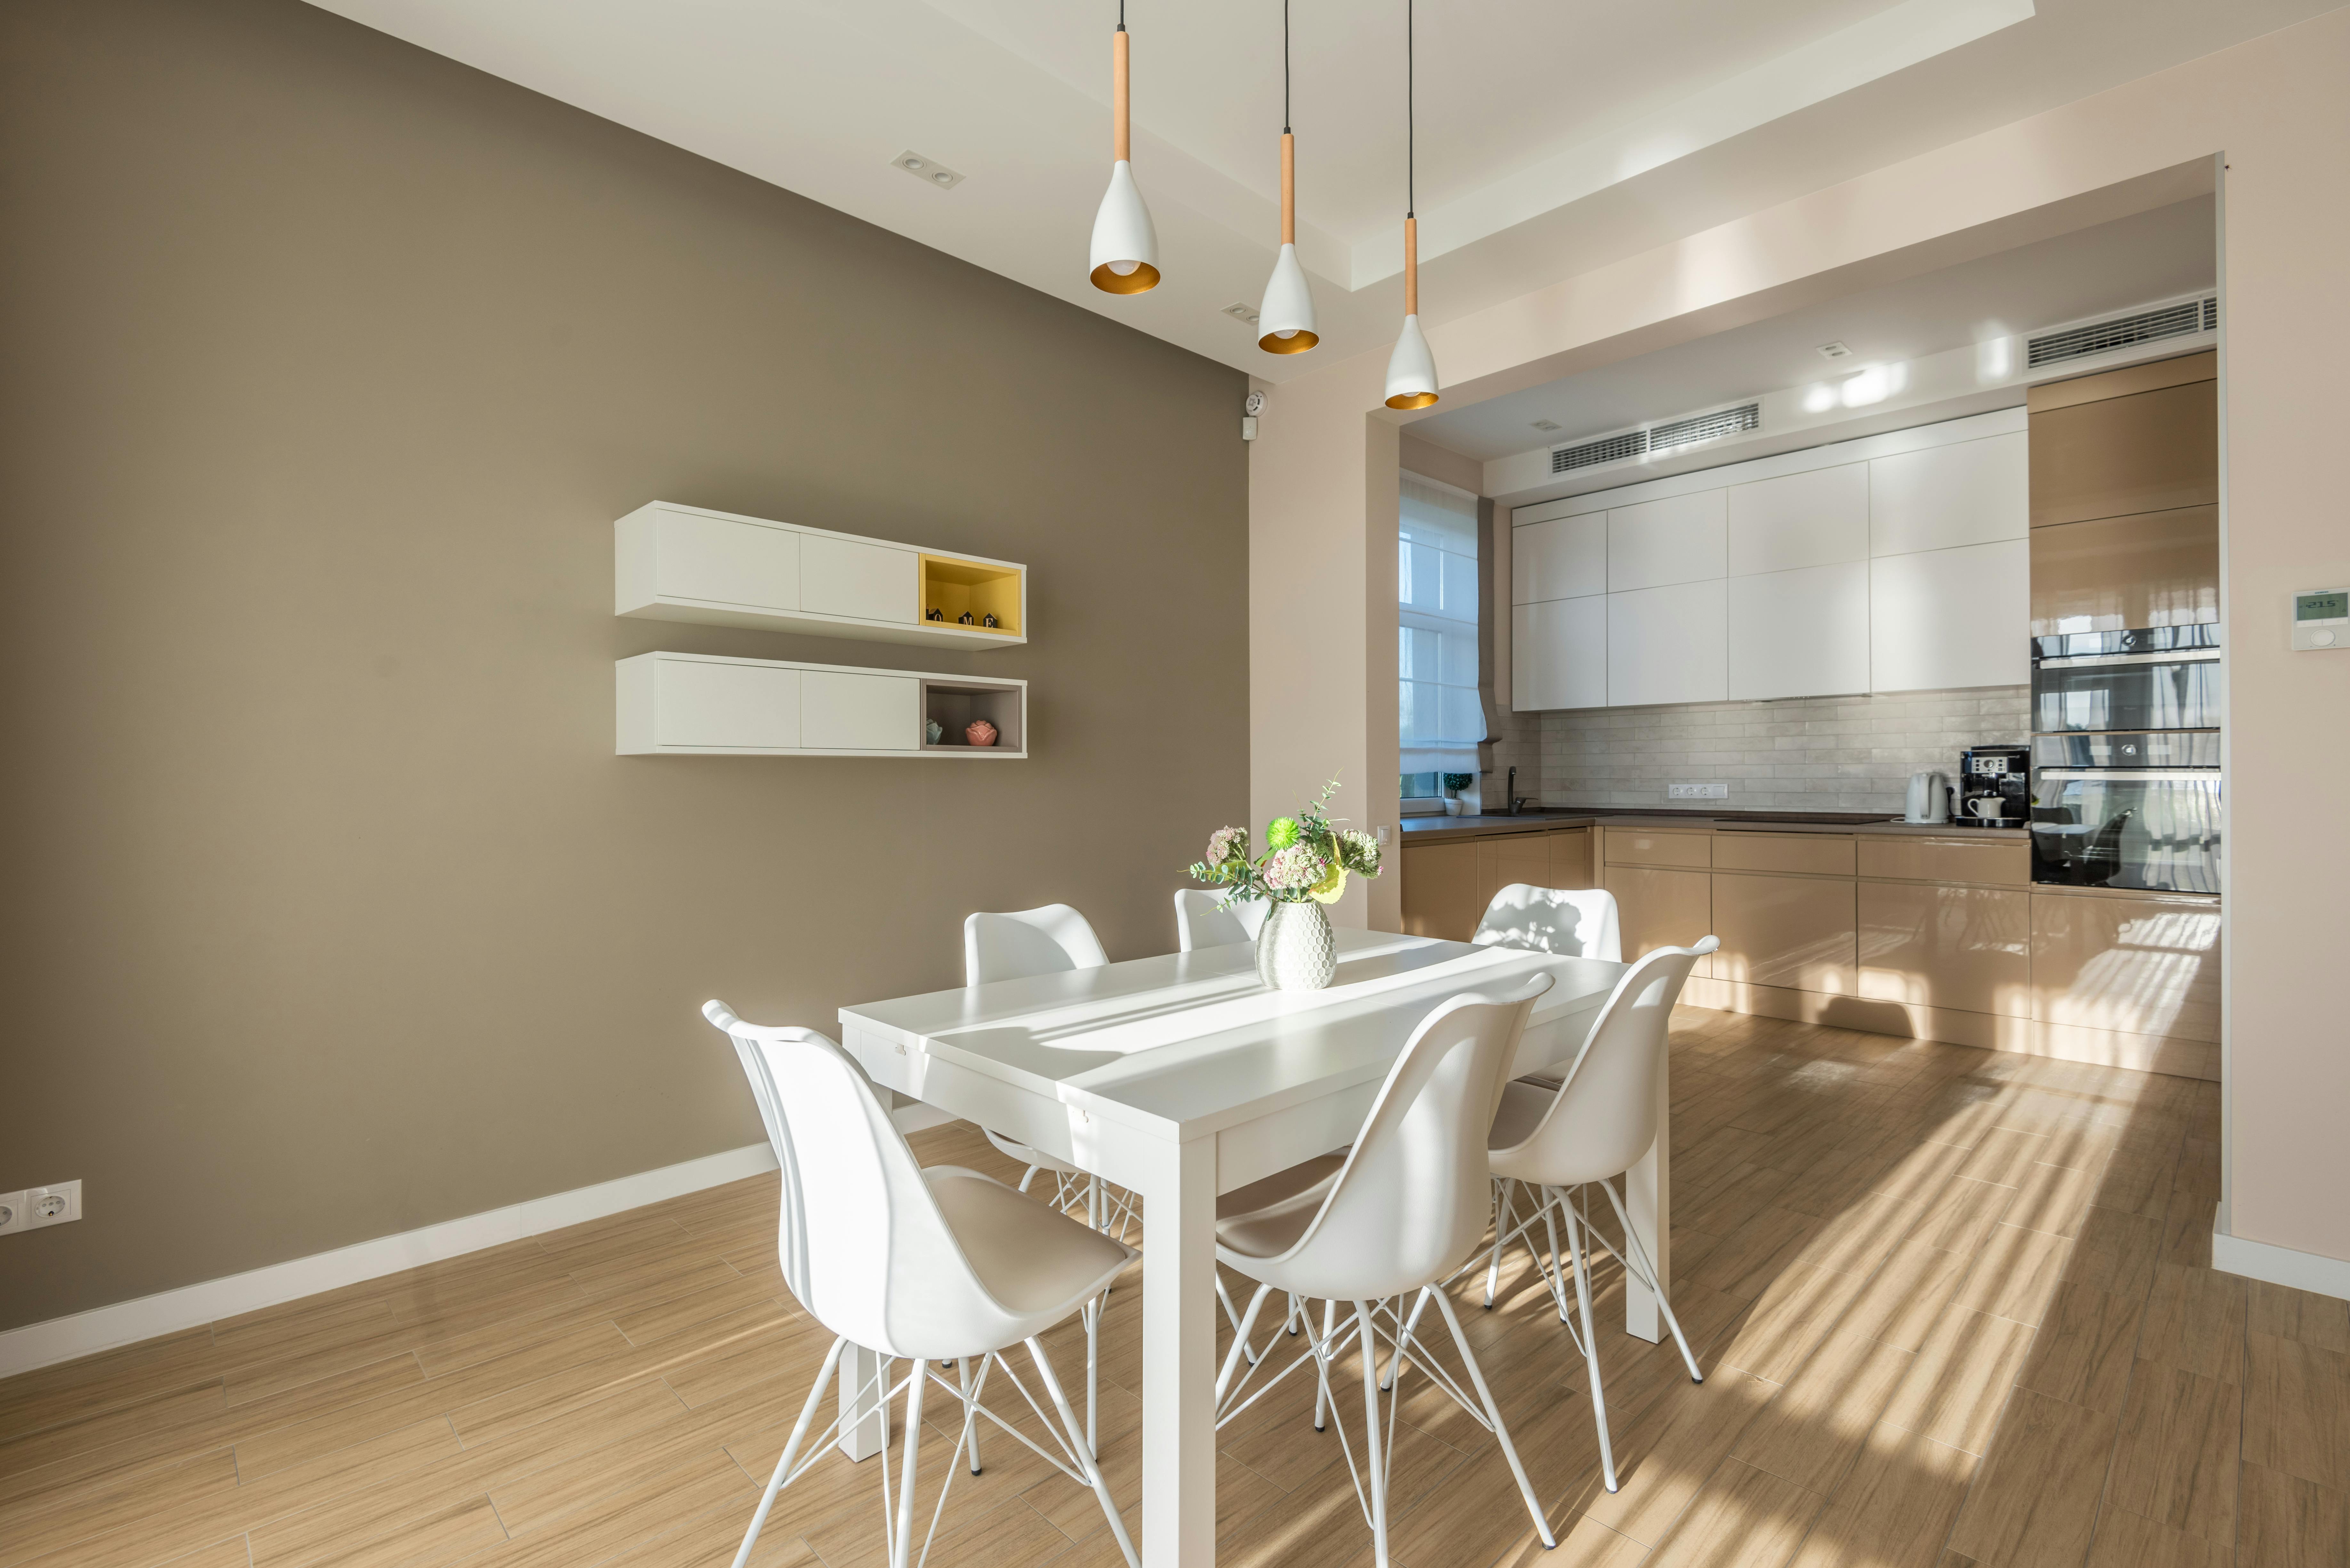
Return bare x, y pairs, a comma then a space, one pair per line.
2312, 1271
168, 1311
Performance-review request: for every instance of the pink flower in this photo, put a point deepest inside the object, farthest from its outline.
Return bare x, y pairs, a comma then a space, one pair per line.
1293, 868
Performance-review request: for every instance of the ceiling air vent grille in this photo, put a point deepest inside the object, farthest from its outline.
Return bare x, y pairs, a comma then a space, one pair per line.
2123, 331
1659, 438
1706, 426
1608, 449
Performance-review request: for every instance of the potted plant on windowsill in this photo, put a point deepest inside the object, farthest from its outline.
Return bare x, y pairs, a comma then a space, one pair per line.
1304, 868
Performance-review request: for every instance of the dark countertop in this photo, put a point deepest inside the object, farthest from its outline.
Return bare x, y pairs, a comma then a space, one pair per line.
1429, 829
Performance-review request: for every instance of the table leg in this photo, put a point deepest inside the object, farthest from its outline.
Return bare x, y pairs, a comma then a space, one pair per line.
860, 1394
1179, 1357
1647, 1193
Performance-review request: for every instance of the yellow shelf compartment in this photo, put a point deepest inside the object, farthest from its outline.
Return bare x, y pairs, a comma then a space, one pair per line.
953, 586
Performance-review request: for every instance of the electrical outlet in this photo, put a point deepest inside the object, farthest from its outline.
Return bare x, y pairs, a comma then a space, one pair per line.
1696, 792
12, 1212
58, 1205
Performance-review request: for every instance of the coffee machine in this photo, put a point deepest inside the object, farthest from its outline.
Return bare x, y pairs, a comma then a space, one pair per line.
1994, 786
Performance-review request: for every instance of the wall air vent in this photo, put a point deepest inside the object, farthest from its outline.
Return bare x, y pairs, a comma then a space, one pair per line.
1706, 426
1606, 449
2180, 320
1656, 438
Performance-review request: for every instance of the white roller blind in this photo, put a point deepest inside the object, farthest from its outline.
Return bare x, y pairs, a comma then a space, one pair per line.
1438, 718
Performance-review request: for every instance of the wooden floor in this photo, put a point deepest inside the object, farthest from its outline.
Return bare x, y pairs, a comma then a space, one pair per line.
1955, 1307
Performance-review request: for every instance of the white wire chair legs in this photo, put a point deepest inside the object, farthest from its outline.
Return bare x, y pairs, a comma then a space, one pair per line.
1105, 1205
1552, 1207
1076, 1460
1373, 1325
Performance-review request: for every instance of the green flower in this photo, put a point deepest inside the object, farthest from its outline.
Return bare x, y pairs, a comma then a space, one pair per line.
1281, 833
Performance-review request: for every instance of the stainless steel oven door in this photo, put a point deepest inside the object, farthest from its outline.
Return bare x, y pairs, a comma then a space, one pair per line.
2167, 691
2152, 828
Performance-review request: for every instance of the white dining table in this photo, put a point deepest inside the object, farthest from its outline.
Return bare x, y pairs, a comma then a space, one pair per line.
1182, 1077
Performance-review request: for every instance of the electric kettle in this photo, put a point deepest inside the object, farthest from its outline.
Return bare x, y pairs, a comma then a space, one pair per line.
1930, 798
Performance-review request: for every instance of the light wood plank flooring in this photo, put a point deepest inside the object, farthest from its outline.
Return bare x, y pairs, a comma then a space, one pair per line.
1956, 1309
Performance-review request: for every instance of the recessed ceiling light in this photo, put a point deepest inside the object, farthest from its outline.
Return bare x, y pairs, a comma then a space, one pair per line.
1835, 350
1241, 310
929, 171
1547, 425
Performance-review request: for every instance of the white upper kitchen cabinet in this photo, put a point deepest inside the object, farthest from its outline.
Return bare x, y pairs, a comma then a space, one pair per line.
1796, 520
1669, 645
1679, 539
1950, 618
1564, 558
1802, 633
717, 569
1971, 493
1559, 654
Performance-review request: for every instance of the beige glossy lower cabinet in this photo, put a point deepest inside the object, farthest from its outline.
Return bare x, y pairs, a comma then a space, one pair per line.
1660, 908
1447, 885
1796, 931
1519, 857
1930, 936
1925, 945
2135, 966
1440, 890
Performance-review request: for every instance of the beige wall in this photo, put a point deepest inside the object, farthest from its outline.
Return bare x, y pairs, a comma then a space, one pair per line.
329, 912
2274, 107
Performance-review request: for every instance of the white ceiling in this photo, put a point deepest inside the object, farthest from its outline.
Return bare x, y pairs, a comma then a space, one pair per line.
2148, 256
1555, 135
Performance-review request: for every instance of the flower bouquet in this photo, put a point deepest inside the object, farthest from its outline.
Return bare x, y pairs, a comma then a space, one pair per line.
1305, 866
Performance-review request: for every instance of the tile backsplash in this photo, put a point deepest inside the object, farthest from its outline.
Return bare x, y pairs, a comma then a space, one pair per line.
1818, 753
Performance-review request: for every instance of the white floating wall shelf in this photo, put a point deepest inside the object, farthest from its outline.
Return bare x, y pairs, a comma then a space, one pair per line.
694, 705
717, 569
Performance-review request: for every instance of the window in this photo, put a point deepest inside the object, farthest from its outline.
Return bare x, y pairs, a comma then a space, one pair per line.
1439, 718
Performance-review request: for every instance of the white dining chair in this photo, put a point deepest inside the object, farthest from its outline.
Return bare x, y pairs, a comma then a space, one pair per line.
1396, 1213
928, 1267
1595, 1125
1051, 939
1573, 922
1202, 920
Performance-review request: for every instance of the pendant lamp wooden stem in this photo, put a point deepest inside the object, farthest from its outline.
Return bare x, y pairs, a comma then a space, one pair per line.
1289, 189
1120, 97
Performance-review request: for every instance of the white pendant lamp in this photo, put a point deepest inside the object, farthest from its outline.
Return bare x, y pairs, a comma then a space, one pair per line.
1411, 369
1285, 320
1126, 247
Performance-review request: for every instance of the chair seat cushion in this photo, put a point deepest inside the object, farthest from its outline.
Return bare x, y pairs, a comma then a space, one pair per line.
1032, 1260
1265, 1219
1523, 1106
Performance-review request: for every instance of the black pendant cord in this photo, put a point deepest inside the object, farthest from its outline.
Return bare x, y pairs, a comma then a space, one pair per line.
1410, 131
1284, 66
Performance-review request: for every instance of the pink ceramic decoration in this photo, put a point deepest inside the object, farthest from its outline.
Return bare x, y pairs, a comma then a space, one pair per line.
981, 733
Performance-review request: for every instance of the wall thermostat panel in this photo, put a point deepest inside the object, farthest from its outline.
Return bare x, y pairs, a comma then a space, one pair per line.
2321, 619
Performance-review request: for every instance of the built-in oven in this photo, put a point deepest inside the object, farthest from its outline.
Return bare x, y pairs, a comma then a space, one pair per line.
2156, 678
2125, 759
2128, 810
